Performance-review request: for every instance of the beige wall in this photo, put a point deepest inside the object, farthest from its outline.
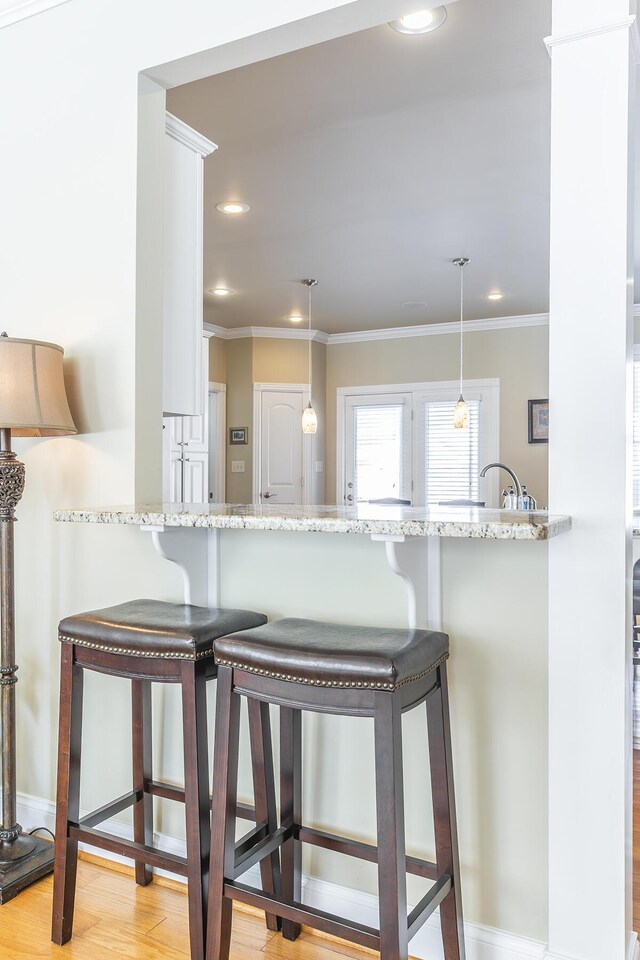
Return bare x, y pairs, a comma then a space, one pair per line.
519, 357
217, 360
280, 361
239, 414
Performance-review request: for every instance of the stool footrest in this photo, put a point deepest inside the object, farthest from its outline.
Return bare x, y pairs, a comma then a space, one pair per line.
363, 851
111, 809
261, 849
139, 852
431, 900
301, 913
169, 791
248, 841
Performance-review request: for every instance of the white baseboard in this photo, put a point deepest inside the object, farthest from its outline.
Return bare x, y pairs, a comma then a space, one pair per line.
482, 943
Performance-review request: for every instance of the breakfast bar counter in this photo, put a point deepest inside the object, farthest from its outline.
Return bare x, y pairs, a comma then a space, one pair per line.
188, 535
373, 519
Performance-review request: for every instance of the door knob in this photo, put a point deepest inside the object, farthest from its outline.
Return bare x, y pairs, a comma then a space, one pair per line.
268, 495
349, 497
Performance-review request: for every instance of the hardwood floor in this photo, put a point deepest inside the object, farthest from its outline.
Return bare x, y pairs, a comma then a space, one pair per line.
116, 919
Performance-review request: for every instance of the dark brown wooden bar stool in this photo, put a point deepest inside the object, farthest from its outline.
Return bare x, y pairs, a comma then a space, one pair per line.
145, 641
354, 671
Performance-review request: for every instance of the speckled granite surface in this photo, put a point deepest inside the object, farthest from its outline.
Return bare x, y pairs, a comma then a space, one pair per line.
365, 518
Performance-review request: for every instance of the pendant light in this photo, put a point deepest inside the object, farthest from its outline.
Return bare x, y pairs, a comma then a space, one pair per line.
461, 409
309, 417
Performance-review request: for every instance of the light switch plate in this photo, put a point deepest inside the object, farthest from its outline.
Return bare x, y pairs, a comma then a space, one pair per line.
319, 466
237, 466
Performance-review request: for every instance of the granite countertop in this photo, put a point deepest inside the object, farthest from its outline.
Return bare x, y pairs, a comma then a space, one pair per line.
384, 520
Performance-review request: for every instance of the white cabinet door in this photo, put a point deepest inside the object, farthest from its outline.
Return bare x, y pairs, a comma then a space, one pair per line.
195, 476
182, 321
194, 432
281, 447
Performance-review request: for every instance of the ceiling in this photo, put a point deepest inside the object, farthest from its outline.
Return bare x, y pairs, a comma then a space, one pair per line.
370, 162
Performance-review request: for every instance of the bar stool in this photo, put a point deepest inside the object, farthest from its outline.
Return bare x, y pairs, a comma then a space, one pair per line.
145, 641
353, 671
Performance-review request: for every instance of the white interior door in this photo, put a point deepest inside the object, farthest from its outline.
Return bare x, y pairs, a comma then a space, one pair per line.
281, 466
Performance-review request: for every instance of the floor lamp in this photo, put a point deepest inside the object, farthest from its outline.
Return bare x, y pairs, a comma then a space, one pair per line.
33, 403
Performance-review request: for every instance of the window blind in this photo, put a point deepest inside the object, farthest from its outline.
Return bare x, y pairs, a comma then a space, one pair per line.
451, 456
378, 453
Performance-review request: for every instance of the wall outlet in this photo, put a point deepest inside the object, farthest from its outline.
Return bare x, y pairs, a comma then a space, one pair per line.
319, 466
237, 466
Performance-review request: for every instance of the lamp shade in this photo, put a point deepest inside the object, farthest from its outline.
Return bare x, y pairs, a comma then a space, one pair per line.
33, 399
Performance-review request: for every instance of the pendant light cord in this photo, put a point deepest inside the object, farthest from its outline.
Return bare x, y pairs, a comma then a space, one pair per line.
310, 343
461, 323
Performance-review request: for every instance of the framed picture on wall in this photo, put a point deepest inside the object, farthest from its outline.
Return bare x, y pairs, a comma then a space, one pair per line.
539, 421
238, 435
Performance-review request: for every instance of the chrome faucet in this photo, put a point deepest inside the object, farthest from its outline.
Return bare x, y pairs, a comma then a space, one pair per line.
516, 483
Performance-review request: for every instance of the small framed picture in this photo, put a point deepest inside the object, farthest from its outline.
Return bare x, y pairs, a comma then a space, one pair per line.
238, 435
538, 421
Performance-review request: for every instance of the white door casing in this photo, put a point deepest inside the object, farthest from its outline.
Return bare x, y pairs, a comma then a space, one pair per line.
217, 441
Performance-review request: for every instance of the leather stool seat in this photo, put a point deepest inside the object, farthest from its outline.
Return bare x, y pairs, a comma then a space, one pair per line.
154, 628
334, 655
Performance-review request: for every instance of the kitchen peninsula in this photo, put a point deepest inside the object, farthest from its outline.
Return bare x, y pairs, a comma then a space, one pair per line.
188, 535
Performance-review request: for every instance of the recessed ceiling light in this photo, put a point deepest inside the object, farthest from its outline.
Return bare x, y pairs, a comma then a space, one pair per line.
414, 305
296, 318
221, 291
423, 21
233, 206
496, 295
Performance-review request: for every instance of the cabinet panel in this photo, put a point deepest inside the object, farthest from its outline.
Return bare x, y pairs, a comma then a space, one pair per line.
182, 320
195, 479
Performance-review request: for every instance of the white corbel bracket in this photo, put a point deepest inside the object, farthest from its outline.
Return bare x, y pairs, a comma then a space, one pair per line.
416, 560
195, 551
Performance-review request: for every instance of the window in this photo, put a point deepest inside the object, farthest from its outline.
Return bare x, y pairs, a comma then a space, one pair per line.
451, 467
403, 446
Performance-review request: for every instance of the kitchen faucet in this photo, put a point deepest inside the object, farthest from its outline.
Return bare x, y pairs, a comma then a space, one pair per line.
524, 500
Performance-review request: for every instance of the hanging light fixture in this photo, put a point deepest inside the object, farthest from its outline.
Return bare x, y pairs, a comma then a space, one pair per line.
309, 417
461, 409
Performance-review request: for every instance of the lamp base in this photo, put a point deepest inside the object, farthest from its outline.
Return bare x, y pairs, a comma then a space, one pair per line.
16, 874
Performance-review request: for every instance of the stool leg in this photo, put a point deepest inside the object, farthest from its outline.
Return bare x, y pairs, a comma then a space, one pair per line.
223, 814
196, 781
444, 814
291, 809
68, 795
142, 771
392, 881
264, 792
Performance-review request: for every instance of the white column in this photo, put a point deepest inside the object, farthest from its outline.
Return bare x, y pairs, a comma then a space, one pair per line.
589, 569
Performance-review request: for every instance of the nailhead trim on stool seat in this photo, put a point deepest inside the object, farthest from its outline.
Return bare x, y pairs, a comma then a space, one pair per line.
332, 683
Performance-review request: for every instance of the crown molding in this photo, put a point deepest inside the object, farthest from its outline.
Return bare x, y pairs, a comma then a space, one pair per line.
178, 130
627, 23
265, 333
12, 11
441, 329
387, 333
